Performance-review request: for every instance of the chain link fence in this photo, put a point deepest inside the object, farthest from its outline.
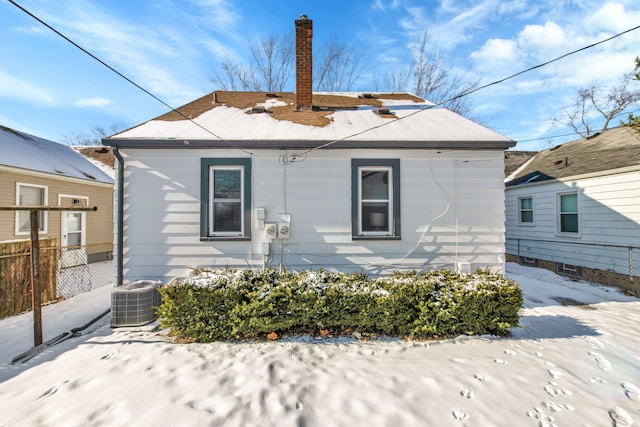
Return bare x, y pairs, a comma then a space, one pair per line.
64, 272
615, 265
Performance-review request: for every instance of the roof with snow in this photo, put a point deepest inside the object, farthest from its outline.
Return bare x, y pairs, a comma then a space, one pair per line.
270, 120
610, 150
28, 152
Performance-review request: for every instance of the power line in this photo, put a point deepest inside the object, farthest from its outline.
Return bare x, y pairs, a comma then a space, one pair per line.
303, 155
124, 77
469, 92
542, 138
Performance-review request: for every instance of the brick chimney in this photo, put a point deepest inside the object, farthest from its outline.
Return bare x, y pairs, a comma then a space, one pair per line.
304, 64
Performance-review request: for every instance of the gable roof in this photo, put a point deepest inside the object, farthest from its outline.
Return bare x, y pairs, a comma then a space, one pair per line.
261, 120
28, 152
515, 159
100, 156
613, 149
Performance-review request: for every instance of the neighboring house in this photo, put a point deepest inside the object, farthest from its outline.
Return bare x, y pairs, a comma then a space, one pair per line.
35, 171
575, 209
345, 181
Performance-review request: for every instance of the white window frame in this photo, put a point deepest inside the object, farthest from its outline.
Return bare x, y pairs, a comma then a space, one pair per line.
559, 214
533, 217
212, 231
44, 217
389, 200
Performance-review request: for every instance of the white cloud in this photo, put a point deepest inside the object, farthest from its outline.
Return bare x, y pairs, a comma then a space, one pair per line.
383, 5
219, 14
16, 88
496, 51
92, 102
611, 17
542, 40
157, 57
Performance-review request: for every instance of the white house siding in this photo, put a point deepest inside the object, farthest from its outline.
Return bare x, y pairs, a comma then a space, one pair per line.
609, 214
452, 212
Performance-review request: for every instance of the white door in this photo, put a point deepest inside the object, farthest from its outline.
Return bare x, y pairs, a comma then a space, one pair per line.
73, 239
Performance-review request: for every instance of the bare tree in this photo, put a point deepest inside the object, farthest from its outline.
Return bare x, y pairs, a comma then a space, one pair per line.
234, 76
272, 61
338, 66
597, 101
633, 120
93, 137
429, 77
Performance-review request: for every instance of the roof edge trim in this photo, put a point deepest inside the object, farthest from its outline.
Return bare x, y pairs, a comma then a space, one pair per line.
306, 144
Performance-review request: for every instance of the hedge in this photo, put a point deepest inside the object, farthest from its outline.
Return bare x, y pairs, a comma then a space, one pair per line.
222, 304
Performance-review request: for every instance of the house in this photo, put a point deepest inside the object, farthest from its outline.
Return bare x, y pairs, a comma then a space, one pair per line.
575, 209
347, 181
35, 171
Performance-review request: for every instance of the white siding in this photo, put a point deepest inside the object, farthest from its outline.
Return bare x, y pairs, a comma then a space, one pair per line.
452, 211
609, 214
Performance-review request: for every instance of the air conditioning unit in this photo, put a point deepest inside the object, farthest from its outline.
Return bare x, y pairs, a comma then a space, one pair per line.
135, 303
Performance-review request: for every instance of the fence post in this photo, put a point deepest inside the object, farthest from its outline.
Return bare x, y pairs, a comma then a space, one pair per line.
35, 278
630, 263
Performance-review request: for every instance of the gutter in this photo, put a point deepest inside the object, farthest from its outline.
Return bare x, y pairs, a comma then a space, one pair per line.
307, 144
120, 217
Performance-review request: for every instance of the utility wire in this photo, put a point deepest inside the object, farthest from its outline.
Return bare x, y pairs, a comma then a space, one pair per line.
297, 157
124, 77
469, 92
575, 133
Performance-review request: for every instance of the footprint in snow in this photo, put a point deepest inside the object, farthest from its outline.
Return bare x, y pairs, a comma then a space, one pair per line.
510, 352
500, 361
631, 391
620, 417
597, 380
465, 392
553, 406
537, 353
555, 373
551, 391
594, 342
460, 415
601, 361
479, 377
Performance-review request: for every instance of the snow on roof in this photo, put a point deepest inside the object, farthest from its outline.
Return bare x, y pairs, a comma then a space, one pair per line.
101, 157
231, 116
24, 151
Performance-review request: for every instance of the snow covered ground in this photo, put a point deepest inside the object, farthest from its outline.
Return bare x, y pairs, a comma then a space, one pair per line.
575, 361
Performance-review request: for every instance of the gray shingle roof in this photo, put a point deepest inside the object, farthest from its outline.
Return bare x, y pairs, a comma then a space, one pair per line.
613, 149
24, 151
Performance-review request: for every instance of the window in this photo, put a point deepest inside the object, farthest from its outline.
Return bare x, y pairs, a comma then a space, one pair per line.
225, 199
525, 207
375, 192
568, 213
30, 195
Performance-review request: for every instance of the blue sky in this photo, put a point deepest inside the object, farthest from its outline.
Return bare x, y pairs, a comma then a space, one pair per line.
172, 48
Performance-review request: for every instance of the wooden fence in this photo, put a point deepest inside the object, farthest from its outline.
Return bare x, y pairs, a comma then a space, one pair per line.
15, 274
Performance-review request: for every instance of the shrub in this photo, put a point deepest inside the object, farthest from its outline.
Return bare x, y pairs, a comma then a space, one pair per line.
242, 303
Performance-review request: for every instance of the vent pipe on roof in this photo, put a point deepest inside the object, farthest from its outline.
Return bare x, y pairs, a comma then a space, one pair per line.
304, 64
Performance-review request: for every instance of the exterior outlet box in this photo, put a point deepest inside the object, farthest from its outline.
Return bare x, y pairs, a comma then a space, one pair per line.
284, 230
271, 230
265, 248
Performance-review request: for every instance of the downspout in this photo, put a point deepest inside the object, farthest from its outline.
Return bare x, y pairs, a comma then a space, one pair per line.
120, 217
